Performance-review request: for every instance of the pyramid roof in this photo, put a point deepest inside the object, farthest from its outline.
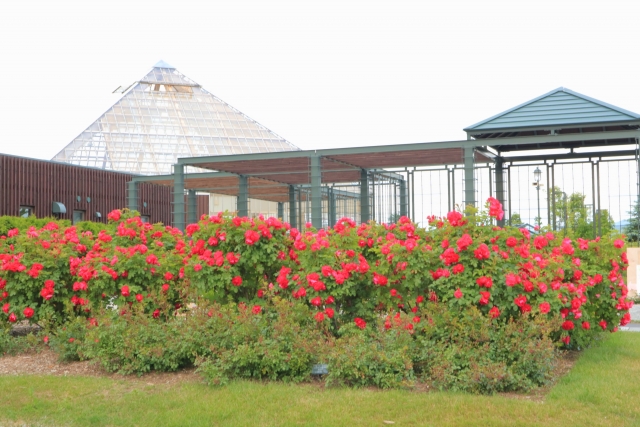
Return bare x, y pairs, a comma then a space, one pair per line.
560, 107
164, 116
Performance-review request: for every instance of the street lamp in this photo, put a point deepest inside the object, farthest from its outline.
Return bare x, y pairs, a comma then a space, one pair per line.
537, 174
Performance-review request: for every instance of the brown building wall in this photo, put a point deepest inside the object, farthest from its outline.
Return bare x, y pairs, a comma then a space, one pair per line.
39, 183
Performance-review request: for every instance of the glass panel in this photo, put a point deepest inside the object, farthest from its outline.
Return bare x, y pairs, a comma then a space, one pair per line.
78, 216
26, 211
145, 114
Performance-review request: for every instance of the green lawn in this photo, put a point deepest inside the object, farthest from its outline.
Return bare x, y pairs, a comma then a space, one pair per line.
603, 389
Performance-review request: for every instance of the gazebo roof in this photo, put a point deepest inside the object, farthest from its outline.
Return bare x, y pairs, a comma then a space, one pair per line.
561, 107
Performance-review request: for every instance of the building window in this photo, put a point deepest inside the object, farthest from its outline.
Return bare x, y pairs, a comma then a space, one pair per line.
145, 218
78, 216
26, 211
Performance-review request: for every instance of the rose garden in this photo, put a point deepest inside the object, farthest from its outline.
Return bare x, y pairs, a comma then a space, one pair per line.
462, 305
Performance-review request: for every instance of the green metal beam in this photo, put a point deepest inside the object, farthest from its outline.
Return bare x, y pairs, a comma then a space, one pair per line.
293, 207
132, 195
591, 155
192, 207
178, 196
500, 185
404, 205
316, 192
522, 140
469, 177
280, 210
204, 175
365, 214
333, 217
243, 196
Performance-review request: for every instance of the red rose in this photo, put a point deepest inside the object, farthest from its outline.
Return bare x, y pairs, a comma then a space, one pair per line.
458, 293
156, 313
625, 319
360, 323
379, 279
464, 242
618, 243
329, 312
251, 237
603, 324
586, 325
482, 252
494, 312
566, 340
12, 318
165, 287
139, 297
455, 218
124, 291
484, 282
114, 215
256, 309
520, 300
319, 316
567, 325
484, 297
5, 308
236, 281
28, 312
457, 269
317, 301
544, 307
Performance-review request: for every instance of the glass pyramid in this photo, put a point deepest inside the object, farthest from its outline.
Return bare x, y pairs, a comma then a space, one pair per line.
161, 117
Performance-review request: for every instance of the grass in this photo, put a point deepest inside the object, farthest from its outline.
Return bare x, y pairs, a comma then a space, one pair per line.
601, 390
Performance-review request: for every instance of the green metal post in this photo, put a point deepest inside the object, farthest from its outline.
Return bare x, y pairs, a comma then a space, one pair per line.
293, 207
333, 217
403, 198
500, 186
178, 196
364, 196
243, 196
280, 210
316, 192
132, 195
469, 180
192, 207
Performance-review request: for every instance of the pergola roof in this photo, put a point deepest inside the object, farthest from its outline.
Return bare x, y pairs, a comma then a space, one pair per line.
561, 107
561, 112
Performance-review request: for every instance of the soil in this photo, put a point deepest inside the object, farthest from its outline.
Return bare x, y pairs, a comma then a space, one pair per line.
46, 362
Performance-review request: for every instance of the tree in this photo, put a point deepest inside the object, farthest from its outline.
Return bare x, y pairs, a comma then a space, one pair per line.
515, 219
632, 230
571, 213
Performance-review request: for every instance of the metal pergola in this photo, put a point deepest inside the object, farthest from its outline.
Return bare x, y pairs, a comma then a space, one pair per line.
558, 127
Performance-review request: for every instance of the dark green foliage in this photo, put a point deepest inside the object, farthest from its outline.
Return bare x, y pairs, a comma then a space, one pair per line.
381, 359
469, 352
632, 230
12, 345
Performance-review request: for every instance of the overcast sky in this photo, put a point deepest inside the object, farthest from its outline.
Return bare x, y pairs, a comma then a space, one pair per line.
320, 74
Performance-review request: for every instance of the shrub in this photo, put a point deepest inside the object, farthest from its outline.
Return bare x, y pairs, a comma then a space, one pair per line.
278, 342
371, 358
470, 352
